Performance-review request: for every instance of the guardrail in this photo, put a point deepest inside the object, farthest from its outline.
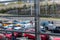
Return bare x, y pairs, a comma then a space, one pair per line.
52, 34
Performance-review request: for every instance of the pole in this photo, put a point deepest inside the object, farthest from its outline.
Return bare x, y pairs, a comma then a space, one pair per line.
54, 8
37, 12
13, 37
31, 9
46, 7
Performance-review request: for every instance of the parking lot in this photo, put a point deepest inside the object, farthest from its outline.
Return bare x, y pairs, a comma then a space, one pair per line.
21, 19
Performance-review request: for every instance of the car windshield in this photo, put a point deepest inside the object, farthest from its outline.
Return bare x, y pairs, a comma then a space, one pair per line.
17, 28
9, 32
23, 22
58, 27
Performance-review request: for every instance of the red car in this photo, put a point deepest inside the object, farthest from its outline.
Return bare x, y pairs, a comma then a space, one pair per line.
9, 34
54, 38
2, 37
32, 36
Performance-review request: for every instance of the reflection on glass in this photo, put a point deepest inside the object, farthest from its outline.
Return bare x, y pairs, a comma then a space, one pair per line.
48, 8
16, 8
8, 8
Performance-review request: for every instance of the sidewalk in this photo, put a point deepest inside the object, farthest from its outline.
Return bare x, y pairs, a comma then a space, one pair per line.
51, 19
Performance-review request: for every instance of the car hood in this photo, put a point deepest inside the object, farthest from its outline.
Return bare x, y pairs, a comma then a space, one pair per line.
16, 28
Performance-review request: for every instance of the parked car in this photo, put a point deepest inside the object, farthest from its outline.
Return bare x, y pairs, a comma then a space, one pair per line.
56, 30
54, 38
8, 26
9, 34
48, 25
2, 37
32, 36
25, 24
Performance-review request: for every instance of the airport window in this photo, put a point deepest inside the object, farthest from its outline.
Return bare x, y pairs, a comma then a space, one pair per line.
17, 8
51, 12
48, 8
30, 20
13, 20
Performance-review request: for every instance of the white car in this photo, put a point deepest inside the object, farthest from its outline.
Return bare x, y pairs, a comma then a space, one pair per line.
0, 24
26, 24
17, 28
51, 26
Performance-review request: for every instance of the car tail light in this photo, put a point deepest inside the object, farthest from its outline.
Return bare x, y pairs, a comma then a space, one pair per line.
8, 35
15, 34
42, 35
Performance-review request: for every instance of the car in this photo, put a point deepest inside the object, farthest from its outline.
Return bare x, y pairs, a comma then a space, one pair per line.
54, 38
48, 25
56, 30
19, 28
32, 36
9, 34
25, 23
2, 37
8, 26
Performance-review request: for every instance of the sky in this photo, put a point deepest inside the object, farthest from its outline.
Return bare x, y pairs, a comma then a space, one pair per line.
5, 0
30, 0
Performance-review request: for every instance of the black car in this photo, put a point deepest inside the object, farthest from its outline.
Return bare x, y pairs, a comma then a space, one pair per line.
56, 30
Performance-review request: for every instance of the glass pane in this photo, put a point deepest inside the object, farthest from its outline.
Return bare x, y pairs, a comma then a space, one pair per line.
17, 8
48, 8
50, 16
19, 24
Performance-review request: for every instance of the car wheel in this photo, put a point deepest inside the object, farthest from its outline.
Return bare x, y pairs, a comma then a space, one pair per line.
46, 28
